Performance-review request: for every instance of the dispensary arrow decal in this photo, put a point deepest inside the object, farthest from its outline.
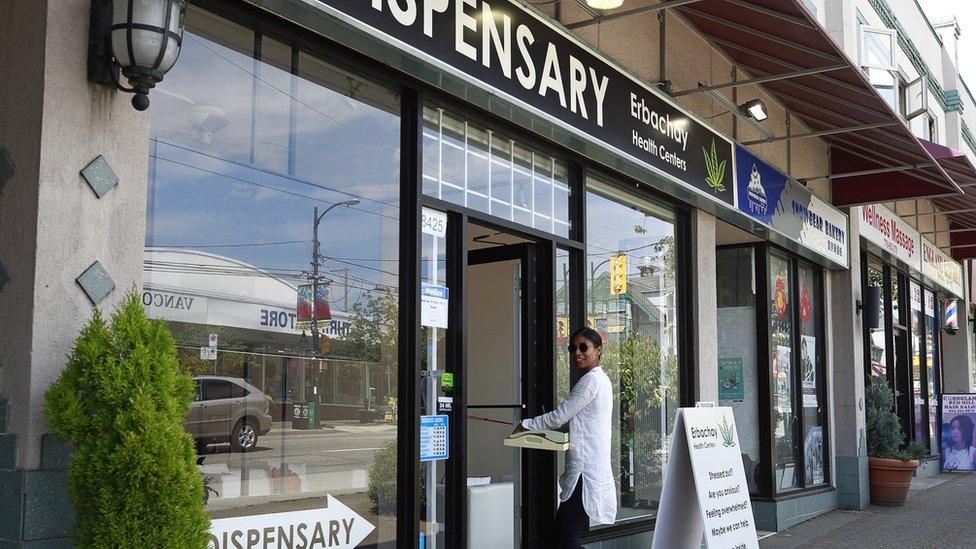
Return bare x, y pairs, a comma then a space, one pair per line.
334, 527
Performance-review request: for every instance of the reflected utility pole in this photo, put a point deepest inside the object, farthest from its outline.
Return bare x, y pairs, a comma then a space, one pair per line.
316, 257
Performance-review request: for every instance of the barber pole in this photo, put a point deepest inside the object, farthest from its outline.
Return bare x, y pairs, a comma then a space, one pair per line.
950, 315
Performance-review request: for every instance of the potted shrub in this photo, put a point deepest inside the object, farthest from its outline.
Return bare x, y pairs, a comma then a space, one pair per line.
890, 467
121, 402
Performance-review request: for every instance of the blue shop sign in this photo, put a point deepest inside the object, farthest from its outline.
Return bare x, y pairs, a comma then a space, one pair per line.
788, 208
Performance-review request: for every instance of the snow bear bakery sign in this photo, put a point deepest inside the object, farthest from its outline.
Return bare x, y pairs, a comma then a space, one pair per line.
515, 53
789, 209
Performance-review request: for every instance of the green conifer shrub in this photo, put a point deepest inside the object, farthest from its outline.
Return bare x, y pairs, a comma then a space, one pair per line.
121, 401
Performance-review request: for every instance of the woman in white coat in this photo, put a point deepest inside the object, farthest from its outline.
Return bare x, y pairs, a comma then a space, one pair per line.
587, 488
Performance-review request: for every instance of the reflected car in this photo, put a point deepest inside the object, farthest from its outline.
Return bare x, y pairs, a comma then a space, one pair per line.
228, 409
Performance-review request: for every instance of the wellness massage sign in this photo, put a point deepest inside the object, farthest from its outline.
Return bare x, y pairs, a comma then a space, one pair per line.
521, 56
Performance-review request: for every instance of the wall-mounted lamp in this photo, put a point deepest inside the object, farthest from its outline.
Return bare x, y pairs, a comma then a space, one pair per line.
137, 39
604, 4
871, 305
756, 109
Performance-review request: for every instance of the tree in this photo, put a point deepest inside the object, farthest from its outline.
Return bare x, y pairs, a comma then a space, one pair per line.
121, 401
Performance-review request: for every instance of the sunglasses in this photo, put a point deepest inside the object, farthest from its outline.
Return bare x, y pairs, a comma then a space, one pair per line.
583, 347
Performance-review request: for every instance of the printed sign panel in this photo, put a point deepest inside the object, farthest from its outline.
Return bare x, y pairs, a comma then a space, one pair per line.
958, 419
705, 460
941, 269
521, 56
770, 197
434, 437
731, 380
334, 526
434, 302
889, 232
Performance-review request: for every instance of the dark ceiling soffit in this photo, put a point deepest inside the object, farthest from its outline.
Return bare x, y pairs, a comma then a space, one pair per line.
962, 245
712, 19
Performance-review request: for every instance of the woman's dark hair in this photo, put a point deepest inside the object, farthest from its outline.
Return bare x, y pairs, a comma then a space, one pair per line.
590, 334
966, 426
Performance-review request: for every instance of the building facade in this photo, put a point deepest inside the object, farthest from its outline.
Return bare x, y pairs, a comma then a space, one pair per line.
461, 184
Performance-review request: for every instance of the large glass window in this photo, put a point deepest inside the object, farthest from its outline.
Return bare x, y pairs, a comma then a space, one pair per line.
877, 340
932, 370
918, 346
471, 165
812, 382
781, 345
738, 364
248, 137
631, 300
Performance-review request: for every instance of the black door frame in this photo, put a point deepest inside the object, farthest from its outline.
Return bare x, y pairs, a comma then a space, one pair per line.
538, 367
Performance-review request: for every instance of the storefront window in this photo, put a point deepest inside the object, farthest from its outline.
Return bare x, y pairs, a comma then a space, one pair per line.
738, 375
631, 301
781, 359
878, 355
473, 166
932, 370
243, 147
812, 382
918, 344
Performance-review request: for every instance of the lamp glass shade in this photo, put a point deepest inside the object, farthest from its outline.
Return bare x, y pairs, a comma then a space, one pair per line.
604, 4
148, 36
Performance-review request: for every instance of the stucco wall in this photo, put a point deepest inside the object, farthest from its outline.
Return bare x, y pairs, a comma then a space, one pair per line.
68, 122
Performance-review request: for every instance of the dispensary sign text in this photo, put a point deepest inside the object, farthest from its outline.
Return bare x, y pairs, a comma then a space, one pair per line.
522, 56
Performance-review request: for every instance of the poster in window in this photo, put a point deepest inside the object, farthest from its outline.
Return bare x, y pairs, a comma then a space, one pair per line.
808, 363
781, 376
958, 419
814, 458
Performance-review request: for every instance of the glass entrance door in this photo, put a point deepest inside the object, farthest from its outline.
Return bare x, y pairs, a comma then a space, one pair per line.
496, 352
494, 397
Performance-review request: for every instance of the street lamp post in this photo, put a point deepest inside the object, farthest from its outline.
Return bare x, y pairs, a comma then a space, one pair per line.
317, 219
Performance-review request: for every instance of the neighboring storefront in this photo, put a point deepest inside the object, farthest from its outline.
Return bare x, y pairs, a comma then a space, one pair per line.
772, 336
916, 281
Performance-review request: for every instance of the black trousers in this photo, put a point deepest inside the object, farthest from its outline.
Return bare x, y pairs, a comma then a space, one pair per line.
571, 520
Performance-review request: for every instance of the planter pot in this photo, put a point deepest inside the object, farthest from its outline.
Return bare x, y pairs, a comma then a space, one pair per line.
890, 479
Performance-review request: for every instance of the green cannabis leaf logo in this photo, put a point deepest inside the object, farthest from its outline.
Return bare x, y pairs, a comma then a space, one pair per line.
728, 433
716, 169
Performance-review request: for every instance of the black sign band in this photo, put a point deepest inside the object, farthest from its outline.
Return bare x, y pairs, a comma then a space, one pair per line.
505, 47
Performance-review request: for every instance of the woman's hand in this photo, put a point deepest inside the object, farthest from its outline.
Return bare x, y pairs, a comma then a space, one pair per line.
519, 429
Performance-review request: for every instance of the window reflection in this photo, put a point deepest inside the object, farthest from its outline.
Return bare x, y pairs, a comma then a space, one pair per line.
634, 240
242, 150
781, 361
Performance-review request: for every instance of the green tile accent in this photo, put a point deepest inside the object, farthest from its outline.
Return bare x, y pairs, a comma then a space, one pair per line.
4, 412
4, 277
953, 101
55, 453
967, 136
47, 511
11, 505
6, 168
8, 452
100, 176
96, 282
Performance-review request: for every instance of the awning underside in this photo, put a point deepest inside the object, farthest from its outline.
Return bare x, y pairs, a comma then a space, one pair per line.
780, 44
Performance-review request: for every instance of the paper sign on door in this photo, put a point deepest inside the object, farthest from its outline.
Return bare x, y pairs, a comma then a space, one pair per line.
433, 305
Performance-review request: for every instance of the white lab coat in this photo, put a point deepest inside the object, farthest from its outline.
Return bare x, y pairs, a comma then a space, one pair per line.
588, 411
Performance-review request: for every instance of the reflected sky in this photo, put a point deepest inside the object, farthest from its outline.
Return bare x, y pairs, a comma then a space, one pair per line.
242, 151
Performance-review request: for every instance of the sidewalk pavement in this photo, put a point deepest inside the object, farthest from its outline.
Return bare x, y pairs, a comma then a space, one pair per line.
939, 513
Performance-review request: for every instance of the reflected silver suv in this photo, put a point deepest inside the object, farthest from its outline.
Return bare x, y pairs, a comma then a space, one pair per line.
228, 409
